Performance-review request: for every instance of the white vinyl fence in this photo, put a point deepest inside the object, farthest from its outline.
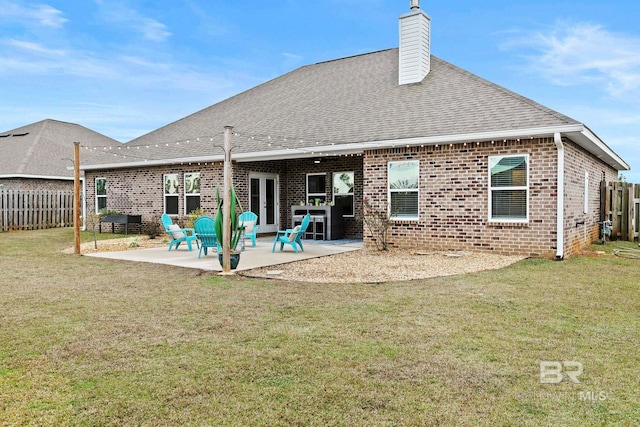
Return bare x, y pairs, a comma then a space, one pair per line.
35, 209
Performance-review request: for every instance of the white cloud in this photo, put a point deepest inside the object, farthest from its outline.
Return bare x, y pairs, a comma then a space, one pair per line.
292, 56
118, 12
154, 30
32, 47
42, 14
583, 53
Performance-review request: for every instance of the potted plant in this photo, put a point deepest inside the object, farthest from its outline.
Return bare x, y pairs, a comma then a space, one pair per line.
236, 228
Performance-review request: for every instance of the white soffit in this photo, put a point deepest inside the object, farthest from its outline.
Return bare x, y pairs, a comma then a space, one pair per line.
578, 133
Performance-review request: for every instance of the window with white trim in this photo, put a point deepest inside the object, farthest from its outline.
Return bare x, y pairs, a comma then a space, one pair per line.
316, 188
101, 194
343, 184
191, 192
509, 188
402, 183
171, 196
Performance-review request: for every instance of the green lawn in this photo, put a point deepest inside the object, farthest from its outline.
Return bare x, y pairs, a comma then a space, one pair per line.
96, 342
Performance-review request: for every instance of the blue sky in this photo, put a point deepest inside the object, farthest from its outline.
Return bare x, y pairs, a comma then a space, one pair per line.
126, 67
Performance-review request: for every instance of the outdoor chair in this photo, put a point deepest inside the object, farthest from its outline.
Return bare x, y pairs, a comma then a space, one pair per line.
206, 233
250, 222
177, 234
292, 236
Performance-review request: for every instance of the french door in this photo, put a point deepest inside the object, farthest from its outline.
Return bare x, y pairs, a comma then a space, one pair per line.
263, 200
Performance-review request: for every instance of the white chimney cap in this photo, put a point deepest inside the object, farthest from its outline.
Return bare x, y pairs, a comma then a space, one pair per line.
415, 4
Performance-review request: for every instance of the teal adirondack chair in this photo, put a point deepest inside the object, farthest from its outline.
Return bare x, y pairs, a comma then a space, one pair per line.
206, 232
292, 236
250, 222
177, 234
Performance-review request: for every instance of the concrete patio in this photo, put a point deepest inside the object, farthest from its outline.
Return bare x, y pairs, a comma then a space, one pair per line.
252, 257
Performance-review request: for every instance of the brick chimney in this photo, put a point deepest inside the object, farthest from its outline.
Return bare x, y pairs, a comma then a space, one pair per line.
415, 36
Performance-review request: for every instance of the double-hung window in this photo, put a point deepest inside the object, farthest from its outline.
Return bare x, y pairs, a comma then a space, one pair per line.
316, 188
191, 192
343, 191
509, 188
403, 189
171, 194
101, 194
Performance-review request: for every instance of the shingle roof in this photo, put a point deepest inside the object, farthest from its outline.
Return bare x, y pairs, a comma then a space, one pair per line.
45, 148
350, 100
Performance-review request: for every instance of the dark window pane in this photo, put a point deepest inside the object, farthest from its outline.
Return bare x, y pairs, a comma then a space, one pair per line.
171, 205
509, 204
404, 204
255, 197
271, 200
193, 203
346, 202
102, 203
317, 183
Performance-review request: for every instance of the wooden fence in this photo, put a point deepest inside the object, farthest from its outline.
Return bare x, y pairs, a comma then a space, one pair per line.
35, 209
621, 205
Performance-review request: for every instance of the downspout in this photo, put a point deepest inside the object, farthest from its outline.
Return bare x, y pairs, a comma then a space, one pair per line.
560, 215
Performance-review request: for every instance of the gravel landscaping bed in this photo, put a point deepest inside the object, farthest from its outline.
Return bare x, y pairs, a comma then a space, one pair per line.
370, 266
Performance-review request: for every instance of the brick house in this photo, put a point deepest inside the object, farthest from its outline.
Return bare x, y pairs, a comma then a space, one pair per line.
459, 162
38, 156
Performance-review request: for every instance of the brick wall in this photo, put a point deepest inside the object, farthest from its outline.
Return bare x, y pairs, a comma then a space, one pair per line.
295, 186
140, 191
453, 197
453, 193
580, 228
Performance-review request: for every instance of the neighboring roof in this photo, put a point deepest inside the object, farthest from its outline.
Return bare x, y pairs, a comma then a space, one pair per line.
45, 149
346, 106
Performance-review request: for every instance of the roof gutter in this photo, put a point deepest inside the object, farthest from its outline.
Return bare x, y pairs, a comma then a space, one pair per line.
574, 131
557, 139
28, 176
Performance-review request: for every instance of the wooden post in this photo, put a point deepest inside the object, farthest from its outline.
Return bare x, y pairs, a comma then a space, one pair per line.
226, 202
76, 196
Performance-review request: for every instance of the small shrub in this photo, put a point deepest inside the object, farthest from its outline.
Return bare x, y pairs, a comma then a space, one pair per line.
190, 219
377, 221
153, 228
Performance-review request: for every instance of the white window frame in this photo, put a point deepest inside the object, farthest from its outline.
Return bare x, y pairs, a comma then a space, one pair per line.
176, 194
402, 190
586, 192
187, 195
316, 195
352, 194
102, 196
492, 189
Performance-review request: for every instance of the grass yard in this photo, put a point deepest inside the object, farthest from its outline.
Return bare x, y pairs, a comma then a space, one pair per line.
95, 342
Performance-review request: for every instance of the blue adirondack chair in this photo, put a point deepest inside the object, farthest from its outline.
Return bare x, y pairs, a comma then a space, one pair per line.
250, 222
206, 232
177, 234
292, 236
